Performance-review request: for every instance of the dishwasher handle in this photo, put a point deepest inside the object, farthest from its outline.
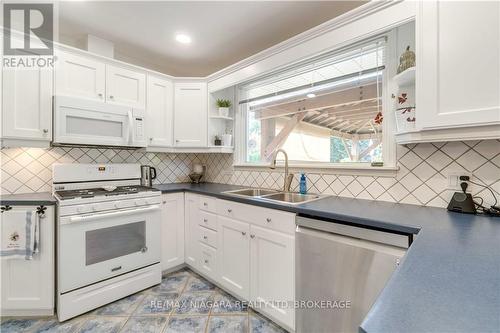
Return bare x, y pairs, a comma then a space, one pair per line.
383, 237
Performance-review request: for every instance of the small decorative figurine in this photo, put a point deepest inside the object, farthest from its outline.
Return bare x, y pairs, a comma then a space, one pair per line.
407, 60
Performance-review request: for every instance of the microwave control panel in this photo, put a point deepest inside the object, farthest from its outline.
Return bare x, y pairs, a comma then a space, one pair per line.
139, 128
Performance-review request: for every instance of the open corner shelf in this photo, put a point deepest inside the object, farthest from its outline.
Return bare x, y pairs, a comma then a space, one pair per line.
406, 77
220, 117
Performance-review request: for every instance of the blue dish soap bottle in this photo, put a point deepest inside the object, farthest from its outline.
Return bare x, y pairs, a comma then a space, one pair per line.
303, 183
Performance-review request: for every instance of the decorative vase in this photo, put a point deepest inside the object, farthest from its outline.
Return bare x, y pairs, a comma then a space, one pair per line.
407, 60
224, 112
227, 140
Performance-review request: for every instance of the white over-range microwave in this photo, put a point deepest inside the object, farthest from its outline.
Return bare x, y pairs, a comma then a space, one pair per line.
79, 121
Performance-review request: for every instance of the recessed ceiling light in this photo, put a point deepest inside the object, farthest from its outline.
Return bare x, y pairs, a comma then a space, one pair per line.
183, 38
311, 95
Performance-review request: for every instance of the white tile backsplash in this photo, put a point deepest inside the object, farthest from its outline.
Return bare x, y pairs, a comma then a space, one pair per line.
421, 179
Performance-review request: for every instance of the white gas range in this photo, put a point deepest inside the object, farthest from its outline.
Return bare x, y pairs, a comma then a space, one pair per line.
108, 235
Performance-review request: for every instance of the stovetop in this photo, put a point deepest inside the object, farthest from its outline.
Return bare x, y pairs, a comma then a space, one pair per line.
101, 192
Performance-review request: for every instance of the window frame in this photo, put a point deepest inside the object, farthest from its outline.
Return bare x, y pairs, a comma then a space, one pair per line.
388, 130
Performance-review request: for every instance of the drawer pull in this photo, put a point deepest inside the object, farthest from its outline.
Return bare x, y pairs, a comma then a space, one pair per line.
229, 210
206, 261
268, 220
205, 204
252, 236
243, 233
205, 220
205, 237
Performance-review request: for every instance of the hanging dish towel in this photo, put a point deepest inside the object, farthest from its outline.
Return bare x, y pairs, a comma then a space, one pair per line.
20, 234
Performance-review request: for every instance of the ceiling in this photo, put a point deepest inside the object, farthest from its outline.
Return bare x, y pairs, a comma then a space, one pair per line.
222, 32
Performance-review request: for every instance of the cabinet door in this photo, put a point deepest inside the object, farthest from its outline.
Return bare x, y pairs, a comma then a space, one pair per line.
80, 76
172, 230
190, 114
28, 285
458, 64
125, 87
233, 255
160, 105
27, 104
272, 273
191, 230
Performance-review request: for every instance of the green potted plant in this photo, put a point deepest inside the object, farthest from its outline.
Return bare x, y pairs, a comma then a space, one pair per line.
223, 105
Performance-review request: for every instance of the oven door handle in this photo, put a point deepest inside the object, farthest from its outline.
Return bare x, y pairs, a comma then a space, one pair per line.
92, 217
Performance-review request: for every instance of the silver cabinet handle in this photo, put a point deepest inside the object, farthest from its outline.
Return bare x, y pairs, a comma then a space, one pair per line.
229, 210
205, 204
205, 220
252, 236
111, 97
268, 220
243, 233
205, 237
99, 94
164, 201
206, 261
45, 131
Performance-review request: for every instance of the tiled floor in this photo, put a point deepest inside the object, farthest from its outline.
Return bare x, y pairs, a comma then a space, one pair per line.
183, 302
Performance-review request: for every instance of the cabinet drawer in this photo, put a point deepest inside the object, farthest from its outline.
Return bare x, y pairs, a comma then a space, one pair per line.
208, 204
208, 220
208, 259
207, 236
269, 218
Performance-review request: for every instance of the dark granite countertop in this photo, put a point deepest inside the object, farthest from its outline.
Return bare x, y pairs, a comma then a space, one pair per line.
450, 278
26, 199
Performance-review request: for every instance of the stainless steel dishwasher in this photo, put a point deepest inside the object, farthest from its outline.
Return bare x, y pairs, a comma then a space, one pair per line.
340, 270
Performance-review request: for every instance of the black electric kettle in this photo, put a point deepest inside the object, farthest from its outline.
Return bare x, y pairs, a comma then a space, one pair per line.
148, 173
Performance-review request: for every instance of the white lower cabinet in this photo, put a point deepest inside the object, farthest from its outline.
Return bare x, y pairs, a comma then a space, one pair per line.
208, 260
191, 216
172, 230
272, 273
233, 252
247, 250
28, 285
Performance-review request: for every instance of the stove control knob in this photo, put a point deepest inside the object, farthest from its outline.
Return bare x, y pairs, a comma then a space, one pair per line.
94, 208
79, 209
117, 205
139, 202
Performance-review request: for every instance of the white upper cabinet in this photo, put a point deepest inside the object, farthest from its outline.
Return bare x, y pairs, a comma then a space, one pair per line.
190, 114
27, 107
172, 230
80, 76
125, 87
91, 78
160, 103
458, 64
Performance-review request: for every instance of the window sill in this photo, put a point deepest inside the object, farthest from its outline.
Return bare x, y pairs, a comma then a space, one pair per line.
355, 170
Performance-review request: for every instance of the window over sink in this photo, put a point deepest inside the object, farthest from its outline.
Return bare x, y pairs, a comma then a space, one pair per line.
325, 112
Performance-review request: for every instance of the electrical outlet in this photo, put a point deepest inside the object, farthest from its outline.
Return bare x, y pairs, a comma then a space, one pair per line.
454, 179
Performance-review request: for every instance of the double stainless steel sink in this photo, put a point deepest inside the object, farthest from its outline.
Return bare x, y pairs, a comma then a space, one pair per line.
276, 196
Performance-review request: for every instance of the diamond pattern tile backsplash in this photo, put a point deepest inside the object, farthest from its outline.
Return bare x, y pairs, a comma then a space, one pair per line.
421, 179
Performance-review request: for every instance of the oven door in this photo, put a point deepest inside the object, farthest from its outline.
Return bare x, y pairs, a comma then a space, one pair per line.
86, 122
98, 246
